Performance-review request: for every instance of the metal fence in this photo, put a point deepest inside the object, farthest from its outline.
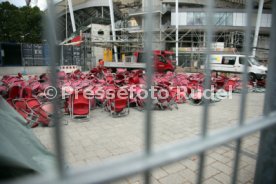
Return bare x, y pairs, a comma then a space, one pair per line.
150, 159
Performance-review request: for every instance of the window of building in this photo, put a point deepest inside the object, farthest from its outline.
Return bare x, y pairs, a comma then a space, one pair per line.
220, 19
100, 32
190, 18
199, 18
229, 19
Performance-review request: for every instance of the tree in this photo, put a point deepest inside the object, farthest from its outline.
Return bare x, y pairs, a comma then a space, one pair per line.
20, 24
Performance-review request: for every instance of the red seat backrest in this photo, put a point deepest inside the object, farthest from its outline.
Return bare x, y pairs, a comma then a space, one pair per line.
80, 99
27, 92
33, 103
14, 92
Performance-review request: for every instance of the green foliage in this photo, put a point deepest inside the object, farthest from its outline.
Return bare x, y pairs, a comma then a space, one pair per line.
20, 24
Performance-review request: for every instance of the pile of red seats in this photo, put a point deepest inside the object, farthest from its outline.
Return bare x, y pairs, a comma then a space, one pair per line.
23, 96
29, 99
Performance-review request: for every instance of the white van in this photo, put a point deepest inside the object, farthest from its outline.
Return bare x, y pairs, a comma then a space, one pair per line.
233, 63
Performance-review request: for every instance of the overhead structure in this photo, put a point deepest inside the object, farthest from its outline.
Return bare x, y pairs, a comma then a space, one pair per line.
175, 27
72, 15
187, 37
85, 13
28, 2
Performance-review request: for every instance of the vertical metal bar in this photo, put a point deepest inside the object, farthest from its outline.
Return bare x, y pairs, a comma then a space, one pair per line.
66, 21
177, 31
72, 15
246, 50
50, 32
207, 85
266, 162
257, 28
62, 55
113, 29
148, 39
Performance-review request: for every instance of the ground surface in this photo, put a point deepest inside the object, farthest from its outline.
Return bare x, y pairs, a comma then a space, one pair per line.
104, 137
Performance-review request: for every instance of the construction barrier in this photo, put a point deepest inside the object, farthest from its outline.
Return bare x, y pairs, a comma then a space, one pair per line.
69, 68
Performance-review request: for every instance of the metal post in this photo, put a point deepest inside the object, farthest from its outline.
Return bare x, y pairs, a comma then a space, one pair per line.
207, 85
246, 50
22, 59
66, 22
93, 57
72, 15
113, 28
266, 163
257, 29
176, 34
148, 41
62, 55
52, 40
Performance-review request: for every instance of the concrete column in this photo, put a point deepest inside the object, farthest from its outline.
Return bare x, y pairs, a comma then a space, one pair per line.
157, 24
176, 31
266, 162
113, 29
72, 15
257, 28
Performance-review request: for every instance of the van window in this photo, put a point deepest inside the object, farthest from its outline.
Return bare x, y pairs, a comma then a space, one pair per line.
228, 60
242, 60
254, 61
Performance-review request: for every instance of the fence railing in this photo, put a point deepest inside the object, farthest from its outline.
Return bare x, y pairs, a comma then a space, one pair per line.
149, 159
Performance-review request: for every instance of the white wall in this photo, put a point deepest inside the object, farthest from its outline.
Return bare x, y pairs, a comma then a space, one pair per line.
98, 51
29, 70
239, 19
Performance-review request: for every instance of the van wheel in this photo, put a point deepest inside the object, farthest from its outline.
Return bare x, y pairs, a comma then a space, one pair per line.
252, 77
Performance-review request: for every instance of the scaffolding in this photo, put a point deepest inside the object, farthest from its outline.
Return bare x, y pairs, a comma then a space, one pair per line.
193, 37
131, 38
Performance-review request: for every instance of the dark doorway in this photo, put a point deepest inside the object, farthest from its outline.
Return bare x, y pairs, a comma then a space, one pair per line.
11, 54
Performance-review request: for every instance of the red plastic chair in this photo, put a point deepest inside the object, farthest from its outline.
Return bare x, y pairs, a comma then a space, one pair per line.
43, 117
27, 92
230, 85
196, 95
178, 94
119, 79
14, 92
164, 99
135, 99
80, 106
119, 105
22, 108
109, 79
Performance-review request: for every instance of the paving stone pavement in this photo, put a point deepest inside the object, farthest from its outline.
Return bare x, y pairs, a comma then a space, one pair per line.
104, 137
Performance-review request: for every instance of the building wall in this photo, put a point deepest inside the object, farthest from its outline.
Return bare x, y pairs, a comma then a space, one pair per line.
96, 37
29, 70
221, 19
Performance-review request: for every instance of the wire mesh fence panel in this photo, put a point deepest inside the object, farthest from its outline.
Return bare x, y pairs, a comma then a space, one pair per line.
203, 148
